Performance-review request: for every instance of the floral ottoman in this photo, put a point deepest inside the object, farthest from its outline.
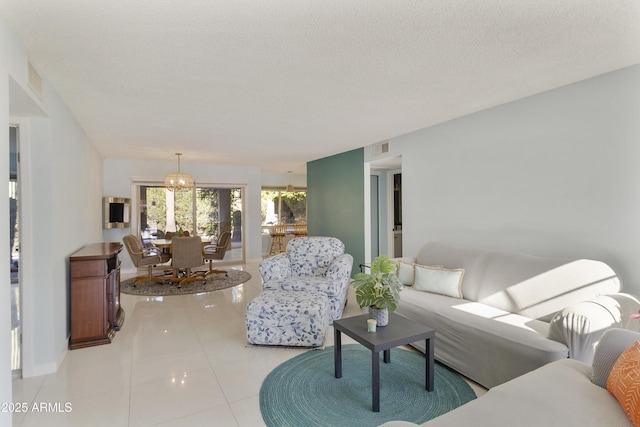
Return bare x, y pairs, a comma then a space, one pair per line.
290, 318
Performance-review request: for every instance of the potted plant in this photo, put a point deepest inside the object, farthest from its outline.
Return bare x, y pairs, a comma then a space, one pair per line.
379, 290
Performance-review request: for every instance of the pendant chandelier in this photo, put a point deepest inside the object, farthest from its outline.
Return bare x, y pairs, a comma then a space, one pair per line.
178, 181
289, 188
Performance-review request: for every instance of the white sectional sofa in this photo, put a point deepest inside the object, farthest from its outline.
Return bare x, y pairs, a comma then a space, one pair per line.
516, 312
564, 393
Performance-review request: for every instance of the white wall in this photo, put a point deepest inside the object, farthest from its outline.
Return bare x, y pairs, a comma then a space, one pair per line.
555, 174
118, 182
60, 190
270, 179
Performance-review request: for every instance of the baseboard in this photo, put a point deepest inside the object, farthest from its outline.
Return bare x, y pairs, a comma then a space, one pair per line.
43, 369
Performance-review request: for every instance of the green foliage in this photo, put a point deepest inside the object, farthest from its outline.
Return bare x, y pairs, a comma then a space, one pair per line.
288, 206
381, 288
174, 210
296, 202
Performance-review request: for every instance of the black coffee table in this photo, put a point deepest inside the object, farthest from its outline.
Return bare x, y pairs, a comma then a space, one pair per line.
399, 331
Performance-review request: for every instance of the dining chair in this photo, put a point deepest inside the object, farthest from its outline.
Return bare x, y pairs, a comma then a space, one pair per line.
216, 252
145, 257
186, 254
300, 228
278, 232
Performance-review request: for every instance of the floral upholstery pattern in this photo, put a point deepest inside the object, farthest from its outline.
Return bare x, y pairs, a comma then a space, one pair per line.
311, 263
279, 317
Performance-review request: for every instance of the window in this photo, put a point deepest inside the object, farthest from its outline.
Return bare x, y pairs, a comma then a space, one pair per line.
279, 205
203, 211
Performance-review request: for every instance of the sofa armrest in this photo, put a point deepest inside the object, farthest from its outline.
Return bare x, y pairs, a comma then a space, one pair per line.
277, 267
610, 347
340, 269
581, 325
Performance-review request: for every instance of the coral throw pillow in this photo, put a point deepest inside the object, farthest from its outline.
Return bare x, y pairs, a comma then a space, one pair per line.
624, 382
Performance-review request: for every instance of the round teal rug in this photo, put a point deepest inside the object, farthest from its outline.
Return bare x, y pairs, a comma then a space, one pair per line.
303, 391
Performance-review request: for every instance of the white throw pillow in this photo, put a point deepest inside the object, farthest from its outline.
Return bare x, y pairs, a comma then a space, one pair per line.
405, 273
439, 280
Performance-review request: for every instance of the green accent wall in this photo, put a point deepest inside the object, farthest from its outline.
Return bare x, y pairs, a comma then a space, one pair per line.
335, 201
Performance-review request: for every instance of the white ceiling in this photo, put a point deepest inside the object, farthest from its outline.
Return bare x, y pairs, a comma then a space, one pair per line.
277, 83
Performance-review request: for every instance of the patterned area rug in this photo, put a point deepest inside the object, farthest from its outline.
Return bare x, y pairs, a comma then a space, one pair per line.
215, 282
303, 391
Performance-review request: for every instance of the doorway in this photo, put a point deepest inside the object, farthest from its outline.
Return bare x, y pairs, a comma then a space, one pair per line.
386, 207
14, 251
375, 216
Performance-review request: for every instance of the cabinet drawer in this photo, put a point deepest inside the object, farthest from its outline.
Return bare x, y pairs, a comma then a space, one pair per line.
92, 268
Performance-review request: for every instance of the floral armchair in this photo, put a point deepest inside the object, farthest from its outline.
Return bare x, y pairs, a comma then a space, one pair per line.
311, 263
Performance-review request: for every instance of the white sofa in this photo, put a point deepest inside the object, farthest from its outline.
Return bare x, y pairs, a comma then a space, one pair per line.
564, 393
517, 312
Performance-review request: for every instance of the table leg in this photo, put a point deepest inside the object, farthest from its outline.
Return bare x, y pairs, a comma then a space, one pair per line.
428, 356
375, 381
387, 356
337, 353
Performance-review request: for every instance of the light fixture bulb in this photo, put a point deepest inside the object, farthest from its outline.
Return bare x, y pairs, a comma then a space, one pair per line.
179, 181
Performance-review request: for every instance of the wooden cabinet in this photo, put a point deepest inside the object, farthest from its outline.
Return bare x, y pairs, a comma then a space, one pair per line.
96, 314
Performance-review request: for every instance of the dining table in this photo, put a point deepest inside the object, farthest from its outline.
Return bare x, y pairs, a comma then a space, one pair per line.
165, 244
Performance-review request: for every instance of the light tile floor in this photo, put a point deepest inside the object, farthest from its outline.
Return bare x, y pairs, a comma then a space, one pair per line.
178, 361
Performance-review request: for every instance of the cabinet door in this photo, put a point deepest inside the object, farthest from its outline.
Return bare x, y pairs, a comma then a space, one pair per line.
113, 296
88, 306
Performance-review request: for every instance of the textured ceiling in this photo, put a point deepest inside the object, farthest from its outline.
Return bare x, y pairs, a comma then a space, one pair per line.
278, 83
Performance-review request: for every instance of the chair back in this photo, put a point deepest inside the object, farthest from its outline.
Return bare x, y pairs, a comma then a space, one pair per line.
279, 229
220, 247
300, 228
186, 252
134, 248
311, 256
224, 239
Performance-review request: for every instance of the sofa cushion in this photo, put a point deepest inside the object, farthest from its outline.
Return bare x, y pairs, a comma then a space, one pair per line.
321, 284
610, 347
439, 280
469, 334
311, 256
406, 273
557, 394
624, 382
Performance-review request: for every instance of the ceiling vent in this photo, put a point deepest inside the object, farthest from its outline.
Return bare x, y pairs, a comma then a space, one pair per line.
381, 148
34, 79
